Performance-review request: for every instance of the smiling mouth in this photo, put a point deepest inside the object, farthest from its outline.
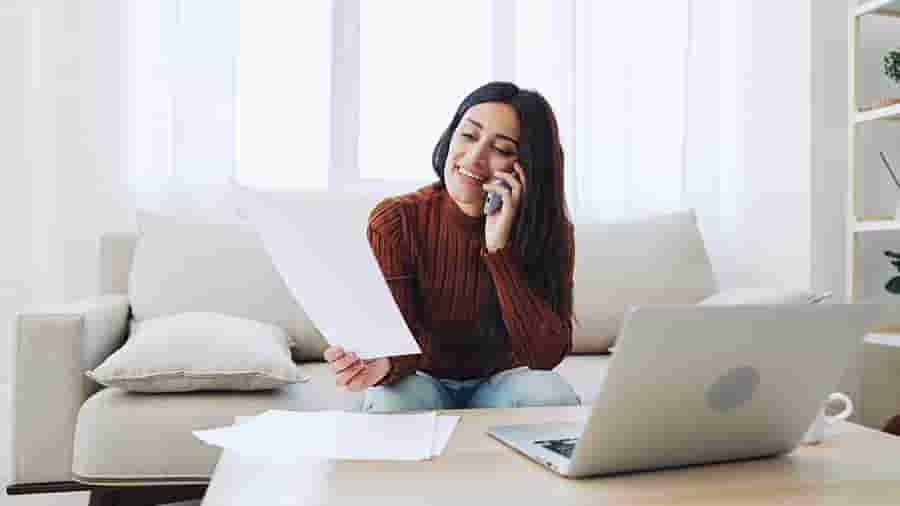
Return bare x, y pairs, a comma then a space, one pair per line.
470, 175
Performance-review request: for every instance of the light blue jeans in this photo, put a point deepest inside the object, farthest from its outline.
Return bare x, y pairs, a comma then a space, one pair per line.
513, 388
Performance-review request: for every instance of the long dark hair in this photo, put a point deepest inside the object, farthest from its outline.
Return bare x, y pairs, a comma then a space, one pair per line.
541, 235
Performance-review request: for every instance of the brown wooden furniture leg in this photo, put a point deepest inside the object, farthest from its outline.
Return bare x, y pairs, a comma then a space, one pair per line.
893, 426
144, 496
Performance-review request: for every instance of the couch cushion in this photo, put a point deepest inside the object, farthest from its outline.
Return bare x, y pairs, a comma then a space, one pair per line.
134, 438
125, 436
182, 265
657, 260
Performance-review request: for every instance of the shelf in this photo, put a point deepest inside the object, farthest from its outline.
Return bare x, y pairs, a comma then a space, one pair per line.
891, 113
879, 8
884, 109
883, 338
877, 225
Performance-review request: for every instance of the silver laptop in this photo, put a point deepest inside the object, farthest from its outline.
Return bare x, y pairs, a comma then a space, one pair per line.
702, 384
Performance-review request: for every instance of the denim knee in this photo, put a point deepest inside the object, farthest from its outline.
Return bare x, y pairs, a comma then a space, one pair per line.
417, 392
524, 387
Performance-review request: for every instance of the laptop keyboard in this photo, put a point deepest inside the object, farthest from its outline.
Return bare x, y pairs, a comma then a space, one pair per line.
564, 447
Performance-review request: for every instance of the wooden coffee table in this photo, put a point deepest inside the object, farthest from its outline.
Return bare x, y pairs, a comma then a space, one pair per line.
854, 465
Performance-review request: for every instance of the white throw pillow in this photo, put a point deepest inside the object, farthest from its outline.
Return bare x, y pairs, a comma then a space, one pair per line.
200, 351
656, 260
738, 296
183, 265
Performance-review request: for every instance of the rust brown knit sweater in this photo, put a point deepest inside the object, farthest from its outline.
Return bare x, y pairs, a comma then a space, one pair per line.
433, 257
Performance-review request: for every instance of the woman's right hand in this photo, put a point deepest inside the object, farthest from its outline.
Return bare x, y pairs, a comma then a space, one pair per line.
353, 373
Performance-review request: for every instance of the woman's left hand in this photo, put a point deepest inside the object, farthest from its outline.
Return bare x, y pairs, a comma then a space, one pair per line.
498, 225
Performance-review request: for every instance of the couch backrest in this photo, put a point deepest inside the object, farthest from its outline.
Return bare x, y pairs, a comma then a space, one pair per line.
211, 262
658, 260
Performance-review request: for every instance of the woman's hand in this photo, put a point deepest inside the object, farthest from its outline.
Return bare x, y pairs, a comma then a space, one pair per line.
353, 373
499, 224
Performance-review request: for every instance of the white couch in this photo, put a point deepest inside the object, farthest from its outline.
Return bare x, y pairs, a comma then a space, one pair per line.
70, 434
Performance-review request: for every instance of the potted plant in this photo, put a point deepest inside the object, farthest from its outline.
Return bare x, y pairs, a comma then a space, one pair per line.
893, 285
891, 70
892, 65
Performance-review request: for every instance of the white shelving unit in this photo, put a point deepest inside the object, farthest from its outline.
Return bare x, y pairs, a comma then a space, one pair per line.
884, 338
891, 113
856, 226
878, 362
877, 225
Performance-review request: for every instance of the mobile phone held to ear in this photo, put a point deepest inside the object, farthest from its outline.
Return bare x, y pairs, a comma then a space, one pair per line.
494, 201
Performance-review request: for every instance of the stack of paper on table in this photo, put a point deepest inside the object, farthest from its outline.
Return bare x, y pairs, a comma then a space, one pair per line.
290, 435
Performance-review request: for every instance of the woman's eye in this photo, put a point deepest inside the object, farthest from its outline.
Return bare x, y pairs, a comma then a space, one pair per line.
504, 152
467, 136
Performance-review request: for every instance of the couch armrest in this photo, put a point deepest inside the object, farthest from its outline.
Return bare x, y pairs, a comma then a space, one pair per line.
54, 345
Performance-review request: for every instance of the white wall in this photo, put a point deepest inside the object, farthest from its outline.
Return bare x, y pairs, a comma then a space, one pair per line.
14, 215
773, 230
63, 180
830, 154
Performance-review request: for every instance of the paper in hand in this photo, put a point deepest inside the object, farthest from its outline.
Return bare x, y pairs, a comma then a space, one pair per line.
317, 241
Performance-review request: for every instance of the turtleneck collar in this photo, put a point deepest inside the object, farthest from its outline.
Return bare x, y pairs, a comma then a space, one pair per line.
473, 226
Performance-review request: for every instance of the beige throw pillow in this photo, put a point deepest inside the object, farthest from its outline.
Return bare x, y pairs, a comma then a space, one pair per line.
200, 351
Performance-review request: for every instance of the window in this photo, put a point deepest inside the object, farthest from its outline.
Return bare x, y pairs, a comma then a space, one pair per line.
353, 94
413, 75
283, 117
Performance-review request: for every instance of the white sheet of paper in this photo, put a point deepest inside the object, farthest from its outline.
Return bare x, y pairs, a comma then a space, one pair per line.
445, 427
318, 243
287, 436
272, 435
240, 480
386, 437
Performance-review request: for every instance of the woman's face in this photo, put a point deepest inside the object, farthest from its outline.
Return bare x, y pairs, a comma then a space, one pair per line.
486, 141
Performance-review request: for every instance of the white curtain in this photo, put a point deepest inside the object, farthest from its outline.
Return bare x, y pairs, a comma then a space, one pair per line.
182, 107
343, 94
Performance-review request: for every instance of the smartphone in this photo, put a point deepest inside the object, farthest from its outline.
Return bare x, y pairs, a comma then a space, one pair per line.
494, 201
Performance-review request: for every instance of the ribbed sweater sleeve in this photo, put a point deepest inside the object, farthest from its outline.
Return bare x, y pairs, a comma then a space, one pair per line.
539, 336
390, 246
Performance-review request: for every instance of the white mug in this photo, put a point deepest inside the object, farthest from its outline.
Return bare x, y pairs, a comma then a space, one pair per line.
816, 432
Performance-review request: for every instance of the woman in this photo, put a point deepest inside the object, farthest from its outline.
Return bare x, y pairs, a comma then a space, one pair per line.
487, 297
